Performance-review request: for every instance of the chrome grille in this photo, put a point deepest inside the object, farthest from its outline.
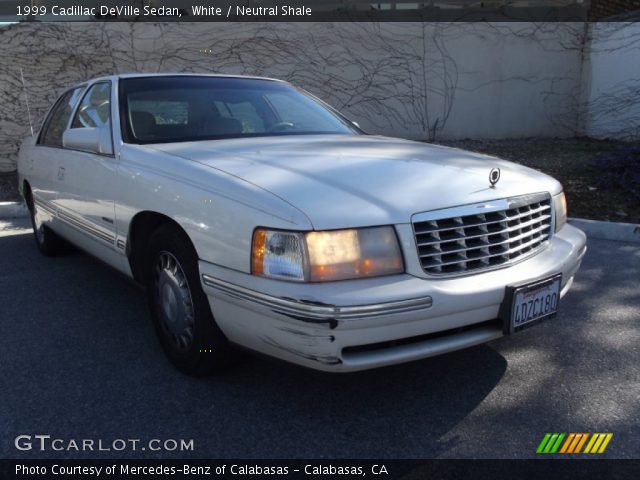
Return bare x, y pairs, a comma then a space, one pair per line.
482, 236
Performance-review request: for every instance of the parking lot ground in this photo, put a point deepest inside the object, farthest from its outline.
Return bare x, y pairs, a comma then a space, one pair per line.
79, 360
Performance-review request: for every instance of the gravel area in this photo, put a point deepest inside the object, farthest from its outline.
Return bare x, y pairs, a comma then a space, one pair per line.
9, 187
572, 162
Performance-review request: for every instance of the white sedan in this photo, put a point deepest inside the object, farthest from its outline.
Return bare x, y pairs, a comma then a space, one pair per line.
257, 216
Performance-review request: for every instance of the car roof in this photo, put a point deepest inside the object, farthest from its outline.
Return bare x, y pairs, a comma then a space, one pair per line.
143, 75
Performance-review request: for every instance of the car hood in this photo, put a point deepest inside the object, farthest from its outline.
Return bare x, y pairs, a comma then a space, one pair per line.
343, 181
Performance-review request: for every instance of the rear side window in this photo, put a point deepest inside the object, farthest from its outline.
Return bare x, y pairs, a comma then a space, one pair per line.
95, 109
58, 118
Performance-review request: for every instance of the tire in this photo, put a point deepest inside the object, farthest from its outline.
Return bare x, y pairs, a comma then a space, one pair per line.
48, 242
179, 308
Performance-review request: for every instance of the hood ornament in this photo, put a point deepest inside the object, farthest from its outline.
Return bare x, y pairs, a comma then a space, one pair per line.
494, 177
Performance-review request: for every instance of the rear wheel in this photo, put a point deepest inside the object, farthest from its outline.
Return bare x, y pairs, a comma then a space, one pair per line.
179, 307
48, 242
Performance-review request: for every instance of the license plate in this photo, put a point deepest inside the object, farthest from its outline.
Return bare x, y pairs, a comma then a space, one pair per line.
534, 302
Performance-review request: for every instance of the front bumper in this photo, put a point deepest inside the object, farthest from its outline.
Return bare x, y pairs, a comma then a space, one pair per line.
366, 323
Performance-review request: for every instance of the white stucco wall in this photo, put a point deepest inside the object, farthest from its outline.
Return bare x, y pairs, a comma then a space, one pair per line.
414, 80
612, 82
515, 80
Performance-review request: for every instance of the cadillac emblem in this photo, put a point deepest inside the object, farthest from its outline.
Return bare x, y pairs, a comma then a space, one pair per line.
494, 176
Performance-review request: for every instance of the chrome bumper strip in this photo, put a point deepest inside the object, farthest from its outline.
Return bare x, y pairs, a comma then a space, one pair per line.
317, 311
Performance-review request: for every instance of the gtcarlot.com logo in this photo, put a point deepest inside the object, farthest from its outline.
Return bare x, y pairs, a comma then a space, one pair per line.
45, 443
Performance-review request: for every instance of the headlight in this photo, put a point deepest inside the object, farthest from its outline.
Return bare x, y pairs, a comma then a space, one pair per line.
560, 205
326, 256
277, 254
342, 254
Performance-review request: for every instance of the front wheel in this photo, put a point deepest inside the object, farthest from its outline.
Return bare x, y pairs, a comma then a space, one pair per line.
179, 307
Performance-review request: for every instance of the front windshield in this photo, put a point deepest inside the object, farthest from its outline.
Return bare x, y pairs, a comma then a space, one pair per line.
184, 108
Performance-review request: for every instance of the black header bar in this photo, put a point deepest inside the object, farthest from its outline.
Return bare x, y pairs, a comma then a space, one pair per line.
293, 10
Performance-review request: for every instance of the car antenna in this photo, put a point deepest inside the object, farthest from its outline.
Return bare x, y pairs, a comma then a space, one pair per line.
26, 98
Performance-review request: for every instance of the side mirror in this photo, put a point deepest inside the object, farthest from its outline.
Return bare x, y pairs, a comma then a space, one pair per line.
94, 140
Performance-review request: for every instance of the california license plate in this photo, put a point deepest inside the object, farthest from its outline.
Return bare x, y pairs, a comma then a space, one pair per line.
534, 302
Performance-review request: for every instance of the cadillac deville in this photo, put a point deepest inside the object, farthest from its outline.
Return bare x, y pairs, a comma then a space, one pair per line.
257, 216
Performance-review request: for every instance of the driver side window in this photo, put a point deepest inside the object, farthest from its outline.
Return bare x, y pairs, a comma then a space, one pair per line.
58, 119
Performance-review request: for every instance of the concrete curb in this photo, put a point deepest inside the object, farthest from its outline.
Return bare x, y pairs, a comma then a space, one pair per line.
13, 210
620, 232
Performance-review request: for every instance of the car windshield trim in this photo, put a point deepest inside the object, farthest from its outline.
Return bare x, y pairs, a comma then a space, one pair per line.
231, 137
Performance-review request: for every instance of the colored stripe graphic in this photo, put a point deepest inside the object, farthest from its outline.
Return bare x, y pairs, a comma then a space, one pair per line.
565, 447
543, 443
605, 443
581, 442
574, 443
550, 443
556, 445
576, 439
598, 443
590, 444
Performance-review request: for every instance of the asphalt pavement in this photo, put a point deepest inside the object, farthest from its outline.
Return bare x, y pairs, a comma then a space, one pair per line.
79, 360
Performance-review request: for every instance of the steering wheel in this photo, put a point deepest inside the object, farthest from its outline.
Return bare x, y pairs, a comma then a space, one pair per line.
280, 126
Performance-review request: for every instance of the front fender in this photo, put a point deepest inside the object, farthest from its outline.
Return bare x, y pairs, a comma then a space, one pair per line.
218, 211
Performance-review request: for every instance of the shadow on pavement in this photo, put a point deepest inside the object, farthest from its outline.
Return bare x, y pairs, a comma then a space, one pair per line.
79, 360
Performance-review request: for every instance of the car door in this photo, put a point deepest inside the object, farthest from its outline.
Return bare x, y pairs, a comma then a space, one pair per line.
43, 158
87, 180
